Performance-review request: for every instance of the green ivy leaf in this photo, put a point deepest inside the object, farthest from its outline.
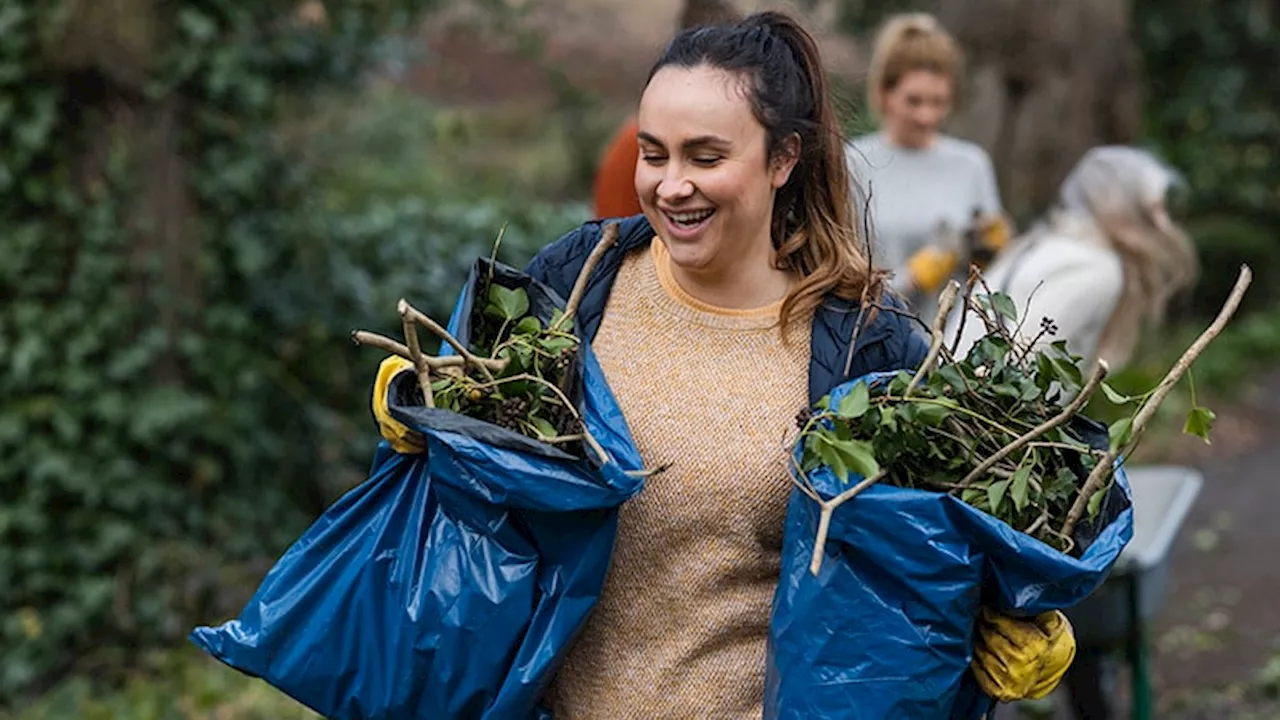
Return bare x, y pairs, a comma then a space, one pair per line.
973, 496
545, 429
1095, 502
507, 303
529, 325
932, 413
1200, 423
1114, 396
855, 404
832, 458
556, 344
1020, 486
1004, 306
861, 458
996, 493
1121, 431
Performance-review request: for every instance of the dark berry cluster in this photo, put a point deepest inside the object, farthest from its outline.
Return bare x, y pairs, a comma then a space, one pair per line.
560, 364
803, 417
1048, 326
510, 412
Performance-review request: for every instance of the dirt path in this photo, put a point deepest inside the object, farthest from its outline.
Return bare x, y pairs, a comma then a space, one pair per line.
1220, 626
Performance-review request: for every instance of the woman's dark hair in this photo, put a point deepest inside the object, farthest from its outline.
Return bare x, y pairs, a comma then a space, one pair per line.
813, 226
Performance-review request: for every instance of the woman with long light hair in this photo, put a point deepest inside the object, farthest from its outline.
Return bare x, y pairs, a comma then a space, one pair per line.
1104, 263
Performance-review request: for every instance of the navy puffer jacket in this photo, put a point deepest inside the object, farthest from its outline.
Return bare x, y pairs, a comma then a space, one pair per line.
886, 342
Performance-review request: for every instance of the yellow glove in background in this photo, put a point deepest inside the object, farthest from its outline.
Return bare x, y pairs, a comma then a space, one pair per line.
930, 267
402, 439
994, 233
1020, 659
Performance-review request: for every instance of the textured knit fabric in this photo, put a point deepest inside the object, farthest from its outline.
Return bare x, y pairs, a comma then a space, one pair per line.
615, 183
681, 627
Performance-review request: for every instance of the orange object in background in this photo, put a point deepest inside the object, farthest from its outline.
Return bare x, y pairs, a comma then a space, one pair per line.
615, 185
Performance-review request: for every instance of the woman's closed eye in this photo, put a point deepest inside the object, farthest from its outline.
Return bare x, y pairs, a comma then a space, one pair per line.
707, 160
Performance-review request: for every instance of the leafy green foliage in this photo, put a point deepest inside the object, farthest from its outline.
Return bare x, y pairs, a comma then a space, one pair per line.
531, 392
954, 429
1211, 111
179, 403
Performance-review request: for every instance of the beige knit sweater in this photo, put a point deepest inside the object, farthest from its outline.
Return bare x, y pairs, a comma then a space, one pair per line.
681, 626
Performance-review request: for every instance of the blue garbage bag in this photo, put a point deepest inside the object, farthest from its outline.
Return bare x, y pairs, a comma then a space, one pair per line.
885, 630
448, 584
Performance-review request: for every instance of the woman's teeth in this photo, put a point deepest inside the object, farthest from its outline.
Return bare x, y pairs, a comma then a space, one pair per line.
690, 218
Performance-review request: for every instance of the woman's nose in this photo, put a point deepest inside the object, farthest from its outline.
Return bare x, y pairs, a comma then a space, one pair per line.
675, 186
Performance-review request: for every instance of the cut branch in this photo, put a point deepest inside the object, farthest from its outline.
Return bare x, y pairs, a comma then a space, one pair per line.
946, 301
486, 365
608, 239
1099, 374
1101, 471
828, 508
386, 344
419, 362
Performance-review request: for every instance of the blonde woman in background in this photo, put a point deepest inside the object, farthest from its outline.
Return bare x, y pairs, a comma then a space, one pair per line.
1104, 263
926, 189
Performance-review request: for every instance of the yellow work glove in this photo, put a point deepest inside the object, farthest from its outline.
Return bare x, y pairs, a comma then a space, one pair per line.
930, 267
402, 438
1021, 659
993, 233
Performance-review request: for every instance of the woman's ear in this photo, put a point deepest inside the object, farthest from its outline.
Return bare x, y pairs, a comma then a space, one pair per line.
784, 160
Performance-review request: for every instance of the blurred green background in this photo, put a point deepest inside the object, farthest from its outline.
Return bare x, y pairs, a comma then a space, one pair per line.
199, 199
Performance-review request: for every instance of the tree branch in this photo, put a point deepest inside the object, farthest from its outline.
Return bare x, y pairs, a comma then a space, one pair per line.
607, 240
419, 362
1100, 471
486, 365
828, 508
946, 301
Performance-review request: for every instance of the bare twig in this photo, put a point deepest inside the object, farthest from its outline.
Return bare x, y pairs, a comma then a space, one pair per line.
866, 285
1101, 471
419, 362
1099, 373
648, 473
964, 309
805, 487
386, 344
1082, 449
828, 508
607, 240
486, 365
1039, 523
946, 301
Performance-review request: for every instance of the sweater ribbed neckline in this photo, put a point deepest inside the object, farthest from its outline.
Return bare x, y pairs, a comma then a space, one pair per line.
660, 285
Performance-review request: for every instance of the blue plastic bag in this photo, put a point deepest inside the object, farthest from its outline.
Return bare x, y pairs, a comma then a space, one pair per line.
885, 630
449, 584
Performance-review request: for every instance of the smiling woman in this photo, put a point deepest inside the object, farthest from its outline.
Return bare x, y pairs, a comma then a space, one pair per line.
725, 309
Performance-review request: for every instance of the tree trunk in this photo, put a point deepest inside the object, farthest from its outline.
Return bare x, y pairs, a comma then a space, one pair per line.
1046, 81
107, 51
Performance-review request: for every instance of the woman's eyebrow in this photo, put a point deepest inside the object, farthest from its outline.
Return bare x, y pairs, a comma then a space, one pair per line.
691, 143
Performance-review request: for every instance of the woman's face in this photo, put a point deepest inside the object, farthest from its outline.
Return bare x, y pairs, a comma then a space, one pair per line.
916, 107
704, 179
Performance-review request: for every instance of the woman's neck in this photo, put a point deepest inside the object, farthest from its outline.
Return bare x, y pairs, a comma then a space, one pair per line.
749, 281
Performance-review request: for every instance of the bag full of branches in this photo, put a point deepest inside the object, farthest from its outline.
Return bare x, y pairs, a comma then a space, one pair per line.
924, 496
451, 581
